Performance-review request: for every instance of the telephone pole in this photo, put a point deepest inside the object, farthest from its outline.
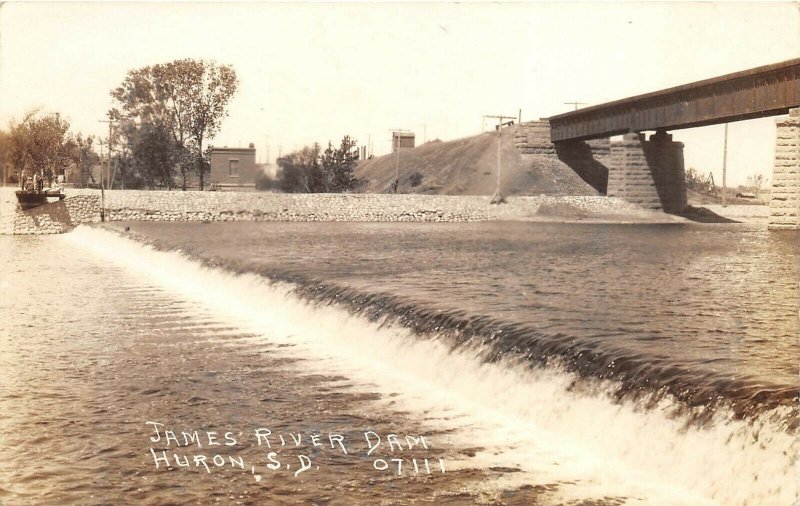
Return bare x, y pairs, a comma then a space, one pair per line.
102, 186
396, 134
103, 172
498, 197
725, 168
576, 104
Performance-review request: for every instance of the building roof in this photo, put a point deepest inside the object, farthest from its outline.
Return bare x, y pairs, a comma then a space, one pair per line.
224, 149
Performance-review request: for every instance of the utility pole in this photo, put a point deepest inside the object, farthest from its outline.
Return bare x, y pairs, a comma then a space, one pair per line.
576, 104
725, 168
102, 172
102, 187
397, 165
396, 133
498, 197
501, 119
109, 144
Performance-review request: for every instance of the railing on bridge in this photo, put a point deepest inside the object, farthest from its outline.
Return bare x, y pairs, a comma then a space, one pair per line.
763, 91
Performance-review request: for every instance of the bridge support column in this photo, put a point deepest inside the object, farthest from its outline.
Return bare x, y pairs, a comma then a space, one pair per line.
649, 173
785, 196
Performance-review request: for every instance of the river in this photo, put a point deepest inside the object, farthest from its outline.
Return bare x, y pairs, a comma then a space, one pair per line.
528, 363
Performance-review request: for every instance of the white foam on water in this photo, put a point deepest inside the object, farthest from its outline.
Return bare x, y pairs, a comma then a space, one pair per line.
528, 419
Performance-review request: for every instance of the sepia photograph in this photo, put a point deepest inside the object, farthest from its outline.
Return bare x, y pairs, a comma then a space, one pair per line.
400, 253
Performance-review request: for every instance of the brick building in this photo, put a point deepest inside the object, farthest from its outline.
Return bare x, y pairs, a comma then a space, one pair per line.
234, 168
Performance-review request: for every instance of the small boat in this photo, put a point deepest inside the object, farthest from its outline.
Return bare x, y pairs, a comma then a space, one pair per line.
32, 198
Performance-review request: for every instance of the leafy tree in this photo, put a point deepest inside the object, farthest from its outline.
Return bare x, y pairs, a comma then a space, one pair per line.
265, 182
84, 157
187, 98
40, 143
206, 89
310, 171
5, 162
339, 165
301, 171
153, 156
148, 107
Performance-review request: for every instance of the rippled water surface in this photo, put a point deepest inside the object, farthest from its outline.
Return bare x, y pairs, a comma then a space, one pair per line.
101, 335
723, 298
89, 353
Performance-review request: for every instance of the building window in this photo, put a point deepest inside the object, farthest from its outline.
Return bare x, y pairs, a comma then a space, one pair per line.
233, 167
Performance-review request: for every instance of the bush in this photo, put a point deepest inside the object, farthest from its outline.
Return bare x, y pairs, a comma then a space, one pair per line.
310, 170
267, 183
415, 179
698, 182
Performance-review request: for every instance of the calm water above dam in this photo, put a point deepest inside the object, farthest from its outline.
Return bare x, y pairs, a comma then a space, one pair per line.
549, 364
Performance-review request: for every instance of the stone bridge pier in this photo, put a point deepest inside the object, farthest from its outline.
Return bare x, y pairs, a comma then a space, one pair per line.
785, 195
649, 173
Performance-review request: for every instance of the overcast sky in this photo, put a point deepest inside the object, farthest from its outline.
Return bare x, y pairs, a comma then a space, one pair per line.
313, 72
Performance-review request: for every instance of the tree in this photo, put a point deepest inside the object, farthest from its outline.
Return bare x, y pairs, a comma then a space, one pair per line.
301, 171
40, 143
149, 105
5, 162
698, 182
84, 157
309, 171
756, 182
153, 156
187, 98
339, 164
206, 89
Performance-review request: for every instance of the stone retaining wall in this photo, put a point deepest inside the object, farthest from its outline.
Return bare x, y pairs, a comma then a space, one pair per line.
83, 206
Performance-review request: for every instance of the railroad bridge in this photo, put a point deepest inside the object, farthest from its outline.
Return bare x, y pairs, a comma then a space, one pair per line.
650, 171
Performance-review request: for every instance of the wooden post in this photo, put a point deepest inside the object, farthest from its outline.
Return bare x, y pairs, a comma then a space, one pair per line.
725, 168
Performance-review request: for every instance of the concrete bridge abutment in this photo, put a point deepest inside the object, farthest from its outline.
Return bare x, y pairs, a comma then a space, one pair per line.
649, 173
785, 194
